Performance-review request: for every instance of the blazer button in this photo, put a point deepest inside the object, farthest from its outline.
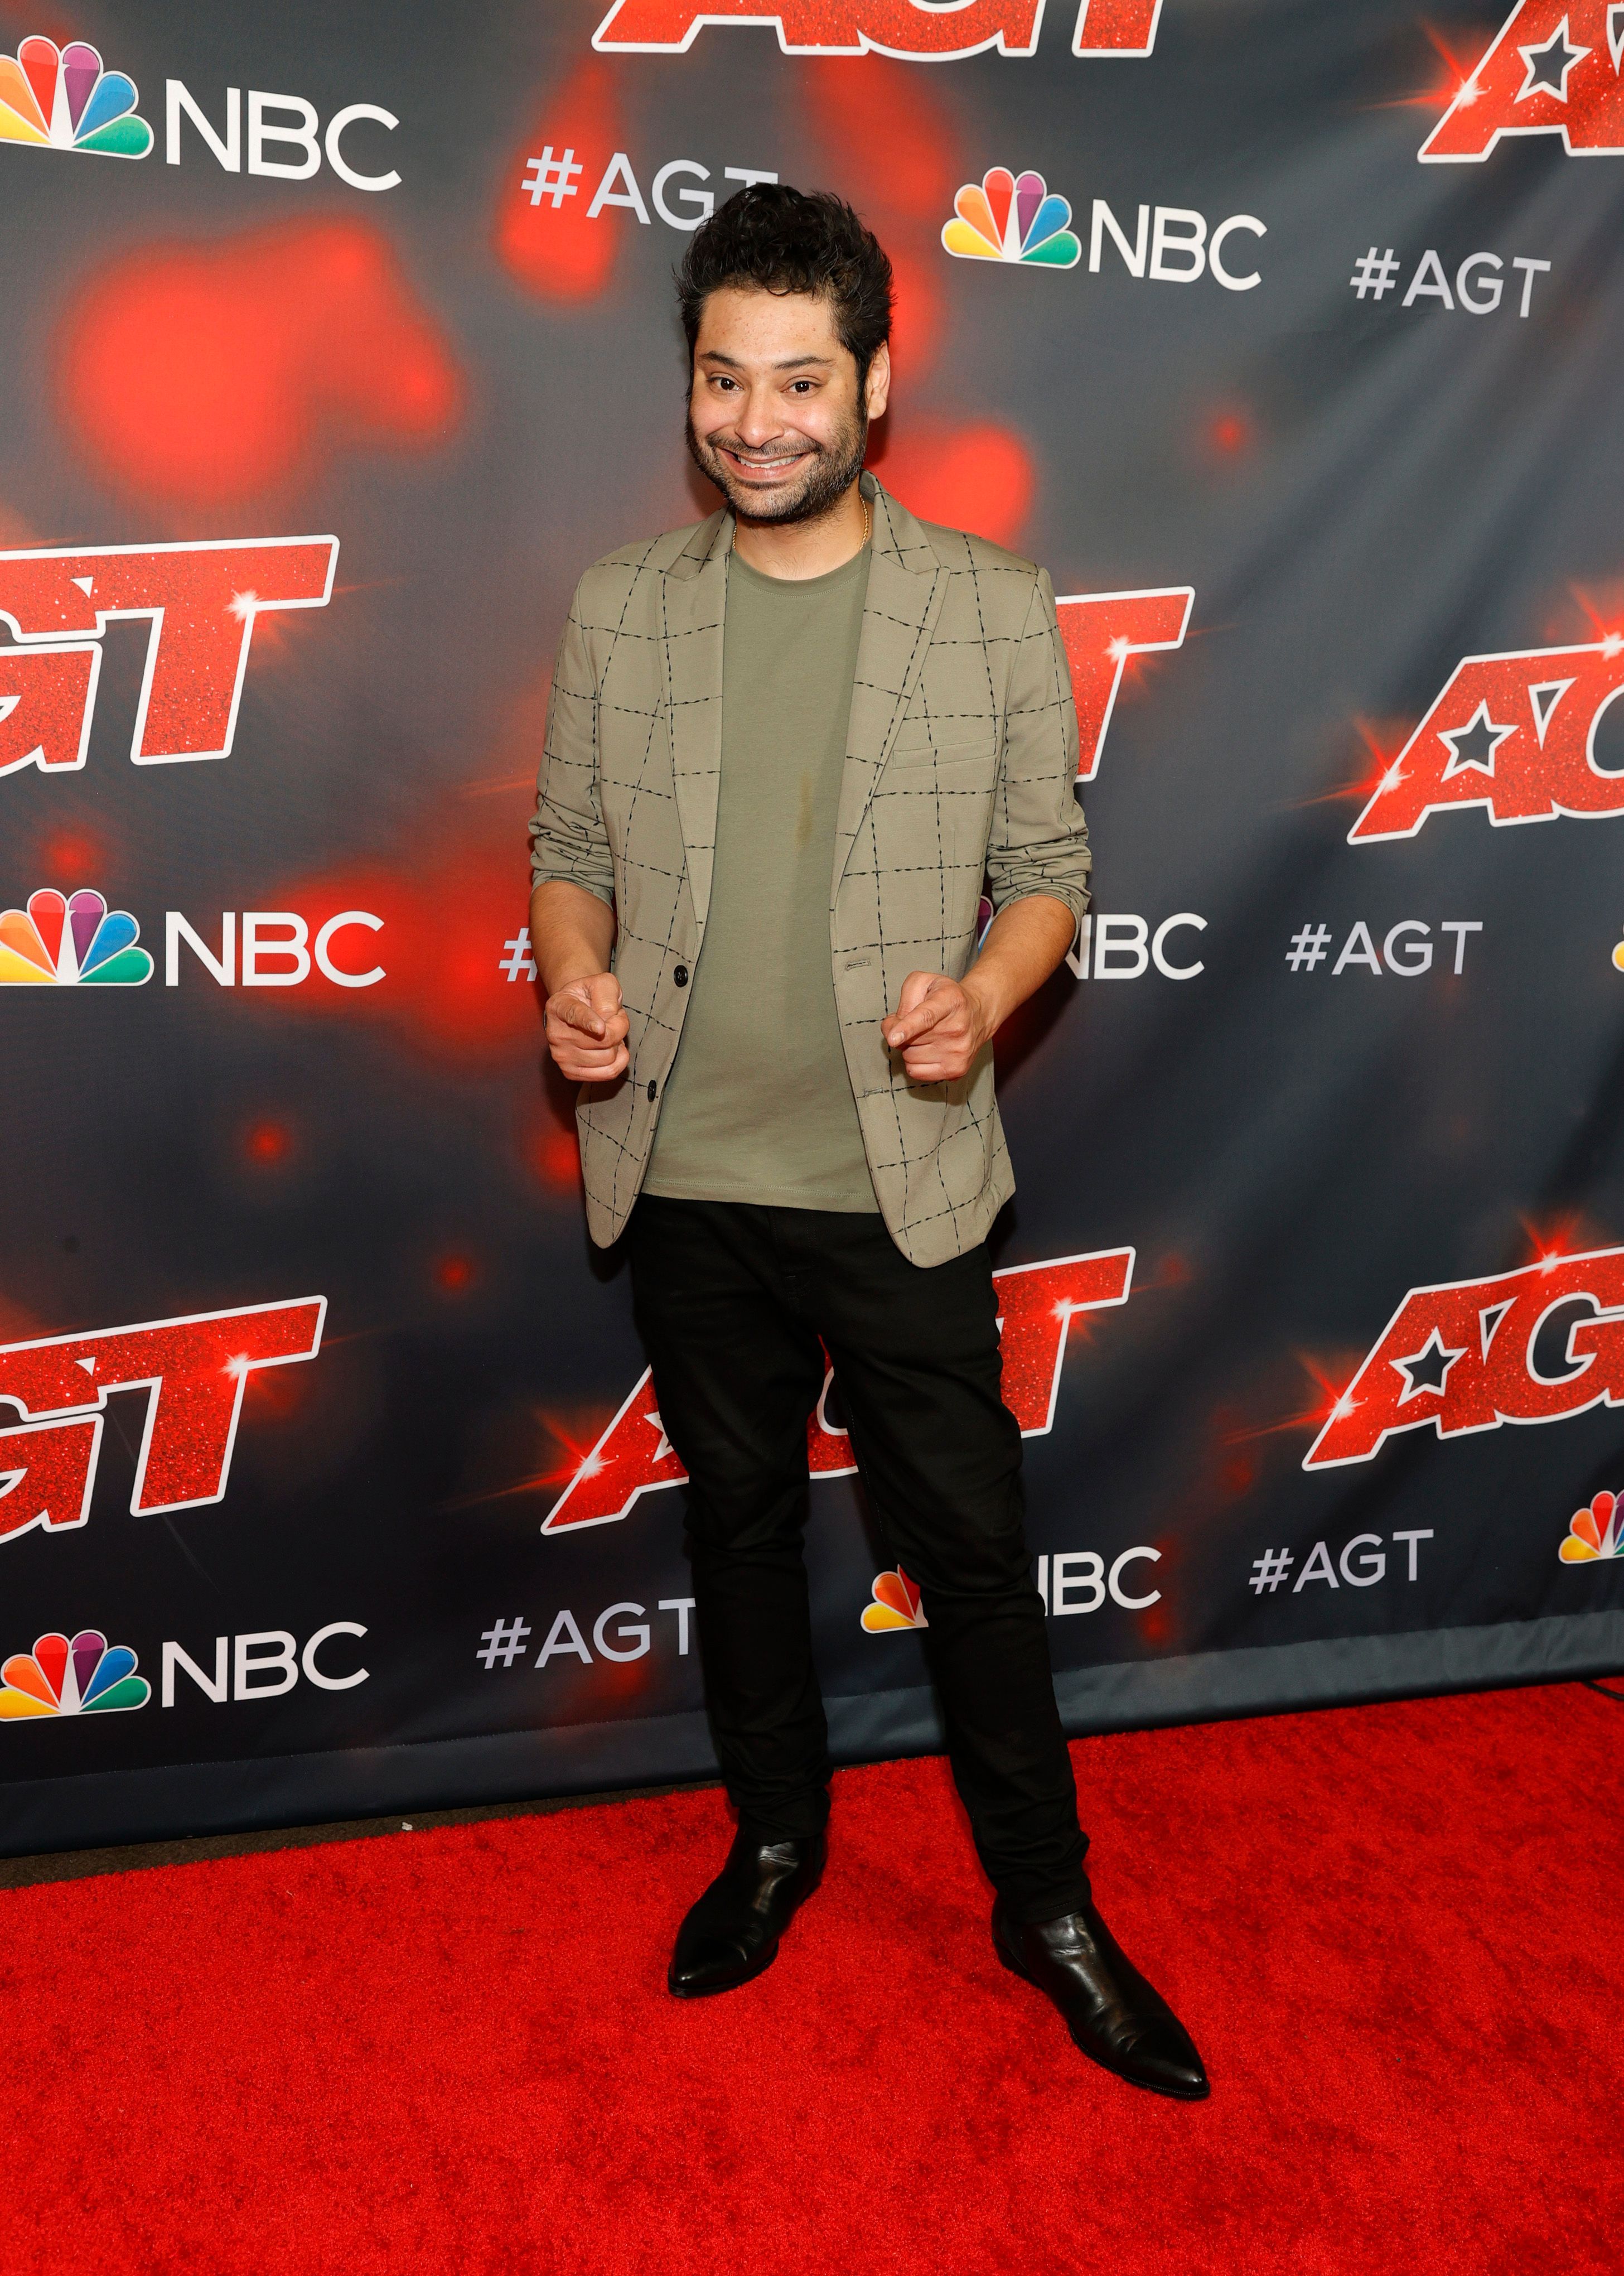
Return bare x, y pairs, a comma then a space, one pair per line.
653, 1090
681, 975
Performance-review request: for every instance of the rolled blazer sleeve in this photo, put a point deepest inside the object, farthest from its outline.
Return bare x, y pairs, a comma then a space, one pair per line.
1039, 838
567, 837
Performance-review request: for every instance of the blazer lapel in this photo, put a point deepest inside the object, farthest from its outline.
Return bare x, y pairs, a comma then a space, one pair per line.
907, 585
695, 590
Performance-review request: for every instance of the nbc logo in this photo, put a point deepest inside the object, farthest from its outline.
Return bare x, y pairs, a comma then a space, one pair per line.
64, 100
85, 1677
1597, 1531
1003, 217
78, 939
896, 1605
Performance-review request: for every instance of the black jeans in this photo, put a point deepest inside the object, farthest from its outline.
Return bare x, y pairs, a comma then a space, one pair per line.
731, 1300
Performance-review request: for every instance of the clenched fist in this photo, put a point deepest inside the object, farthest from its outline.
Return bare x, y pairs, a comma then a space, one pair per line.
939, 1027
586, 1030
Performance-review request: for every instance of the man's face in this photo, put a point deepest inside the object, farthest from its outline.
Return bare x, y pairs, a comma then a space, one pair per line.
774, 416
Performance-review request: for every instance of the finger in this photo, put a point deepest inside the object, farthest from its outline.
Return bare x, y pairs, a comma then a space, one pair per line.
617, 1066
604, 991
576, 1012
930, 1013
584, 1055
605, 1037
940, 1050
595, 1068
916, 988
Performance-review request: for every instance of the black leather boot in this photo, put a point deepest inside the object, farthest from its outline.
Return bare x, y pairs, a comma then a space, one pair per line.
1114, 2015
732, 1933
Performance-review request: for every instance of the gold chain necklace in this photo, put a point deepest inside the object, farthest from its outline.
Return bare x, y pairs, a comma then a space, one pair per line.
868, 522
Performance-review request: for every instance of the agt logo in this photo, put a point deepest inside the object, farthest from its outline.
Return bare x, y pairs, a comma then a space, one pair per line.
194, 1371
1101, 632
616, 1637
1515, 733
203, 600
926, 32
87, 1676
1533, 1346
671, 190
1553, 69
62, 100
1036, 1303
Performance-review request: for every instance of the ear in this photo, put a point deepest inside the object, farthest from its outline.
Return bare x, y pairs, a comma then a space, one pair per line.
877, 389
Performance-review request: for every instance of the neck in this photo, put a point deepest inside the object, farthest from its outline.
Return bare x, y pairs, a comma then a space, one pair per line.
804, 549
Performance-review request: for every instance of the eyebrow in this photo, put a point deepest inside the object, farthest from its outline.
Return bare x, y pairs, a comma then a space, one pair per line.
784, 363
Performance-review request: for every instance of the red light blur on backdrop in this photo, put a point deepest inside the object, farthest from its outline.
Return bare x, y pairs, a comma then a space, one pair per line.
71, 854
553, 250
889, 139
267, 1143
202, 374
446, 924
976, 475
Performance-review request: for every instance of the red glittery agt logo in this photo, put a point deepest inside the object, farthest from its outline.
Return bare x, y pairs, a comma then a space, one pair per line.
1037, 1304
203, 600
1101, 631
1463, 1357
1553, 68
196, 1370
1515, 733
891, 27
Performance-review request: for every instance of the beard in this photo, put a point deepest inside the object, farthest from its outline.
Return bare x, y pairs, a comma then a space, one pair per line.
834, 467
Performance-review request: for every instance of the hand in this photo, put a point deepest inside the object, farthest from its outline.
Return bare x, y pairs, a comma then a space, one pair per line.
586, 1030
939, 1026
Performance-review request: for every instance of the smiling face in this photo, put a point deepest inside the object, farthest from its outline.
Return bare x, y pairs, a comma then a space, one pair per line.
776, 416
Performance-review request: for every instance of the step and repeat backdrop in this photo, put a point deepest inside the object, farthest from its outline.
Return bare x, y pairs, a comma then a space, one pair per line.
338, 343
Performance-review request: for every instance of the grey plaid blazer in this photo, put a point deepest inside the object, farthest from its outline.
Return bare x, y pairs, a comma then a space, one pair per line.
960, 757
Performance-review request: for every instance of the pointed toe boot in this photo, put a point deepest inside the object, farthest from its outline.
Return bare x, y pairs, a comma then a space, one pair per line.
732, 1933
1115, 2017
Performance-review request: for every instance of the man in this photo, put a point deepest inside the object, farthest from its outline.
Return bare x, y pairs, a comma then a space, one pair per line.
784, 747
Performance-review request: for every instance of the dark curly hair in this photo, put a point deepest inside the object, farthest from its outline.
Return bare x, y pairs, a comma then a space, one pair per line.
785, 241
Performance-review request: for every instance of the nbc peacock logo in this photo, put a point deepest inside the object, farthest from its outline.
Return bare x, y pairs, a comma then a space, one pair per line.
87, 1676
61, 99
1006, 217
896, 1604
1595, 1532
63, 939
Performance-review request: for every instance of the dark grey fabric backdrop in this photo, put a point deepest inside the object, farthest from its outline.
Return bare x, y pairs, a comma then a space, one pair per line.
476, 394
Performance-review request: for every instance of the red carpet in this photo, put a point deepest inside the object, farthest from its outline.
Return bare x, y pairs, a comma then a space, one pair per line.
1394, 1932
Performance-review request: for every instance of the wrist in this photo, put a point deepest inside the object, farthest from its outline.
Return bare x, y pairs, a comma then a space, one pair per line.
987, 1001
560, 973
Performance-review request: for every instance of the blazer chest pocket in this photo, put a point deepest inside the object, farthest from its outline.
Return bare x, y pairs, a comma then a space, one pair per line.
949, 752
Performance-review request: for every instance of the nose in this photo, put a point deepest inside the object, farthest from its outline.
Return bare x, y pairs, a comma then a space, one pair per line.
759, 422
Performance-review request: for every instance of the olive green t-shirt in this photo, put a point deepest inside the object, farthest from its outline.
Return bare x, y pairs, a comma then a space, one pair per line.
757, 1106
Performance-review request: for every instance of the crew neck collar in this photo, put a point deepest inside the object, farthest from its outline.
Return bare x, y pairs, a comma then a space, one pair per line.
800, 584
